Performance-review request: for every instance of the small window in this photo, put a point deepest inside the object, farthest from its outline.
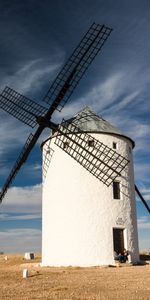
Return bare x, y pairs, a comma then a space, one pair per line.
48, 150
116, 190
91, 143
115, 145
66, 145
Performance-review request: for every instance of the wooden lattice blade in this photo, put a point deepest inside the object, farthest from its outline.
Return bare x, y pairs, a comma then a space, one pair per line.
57, 95
21, 107
31, 140
47, 156
100, 160
142, 199
70, 75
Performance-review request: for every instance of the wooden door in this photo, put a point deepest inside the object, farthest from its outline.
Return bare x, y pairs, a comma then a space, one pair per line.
118, 240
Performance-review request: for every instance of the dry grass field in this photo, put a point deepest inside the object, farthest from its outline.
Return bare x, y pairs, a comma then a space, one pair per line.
124, 282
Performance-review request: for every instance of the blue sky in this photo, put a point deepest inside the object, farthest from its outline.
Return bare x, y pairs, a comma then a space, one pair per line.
36, 38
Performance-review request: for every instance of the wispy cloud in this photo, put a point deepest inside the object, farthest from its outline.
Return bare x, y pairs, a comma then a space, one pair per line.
20, 240
145, 193
37, 167
142, 171
32, 75
144, 223
23, 200
116, 92
143, 230
10, 217
106, 91
145, 190
12, 133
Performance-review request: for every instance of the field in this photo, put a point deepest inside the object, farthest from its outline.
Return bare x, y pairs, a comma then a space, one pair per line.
68, 283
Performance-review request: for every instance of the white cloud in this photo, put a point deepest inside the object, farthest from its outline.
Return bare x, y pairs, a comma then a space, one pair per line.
98, 97
117, 87
37, 167
140, 132
144, 244
23, 200
145, 193
143, 232
12, 133
113, 94
20, 240
142, 171
33, 74
144, 223
9, 217
108, 90
125, 101
145, 190
147, 197
21, 204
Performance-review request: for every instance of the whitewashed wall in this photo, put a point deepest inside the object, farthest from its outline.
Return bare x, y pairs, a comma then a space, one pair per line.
79, 211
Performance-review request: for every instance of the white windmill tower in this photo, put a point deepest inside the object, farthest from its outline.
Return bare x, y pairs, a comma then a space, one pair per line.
85, 219
100, 160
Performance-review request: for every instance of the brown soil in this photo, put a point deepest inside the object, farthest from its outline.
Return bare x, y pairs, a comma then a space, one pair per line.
68, 283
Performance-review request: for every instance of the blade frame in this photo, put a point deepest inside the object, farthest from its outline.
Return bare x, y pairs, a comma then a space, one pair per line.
30, 142
99, 158
21, 107
75, 67
142, 198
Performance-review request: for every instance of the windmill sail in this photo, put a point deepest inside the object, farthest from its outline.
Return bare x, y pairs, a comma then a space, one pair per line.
57, 95
142, 198
31, 140
100, 160
77, 64
47, 156
21, 107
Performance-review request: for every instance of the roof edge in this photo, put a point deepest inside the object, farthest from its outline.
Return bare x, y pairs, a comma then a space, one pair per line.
100, 132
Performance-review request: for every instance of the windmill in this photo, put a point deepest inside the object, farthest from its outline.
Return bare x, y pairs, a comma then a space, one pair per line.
32, 113
103, 162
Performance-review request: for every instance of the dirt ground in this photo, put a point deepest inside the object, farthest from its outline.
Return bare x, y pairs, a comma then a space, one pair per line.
68, 283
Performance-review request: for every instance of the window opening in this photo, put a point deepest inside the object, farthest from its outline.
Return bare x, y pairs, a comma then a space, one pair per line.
66, 145
116, 190
91, 143
118, 240
115, 146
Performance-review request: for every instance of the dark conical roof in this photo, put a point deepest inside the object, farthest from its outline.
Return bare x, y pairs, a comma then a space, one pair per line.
87, 120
